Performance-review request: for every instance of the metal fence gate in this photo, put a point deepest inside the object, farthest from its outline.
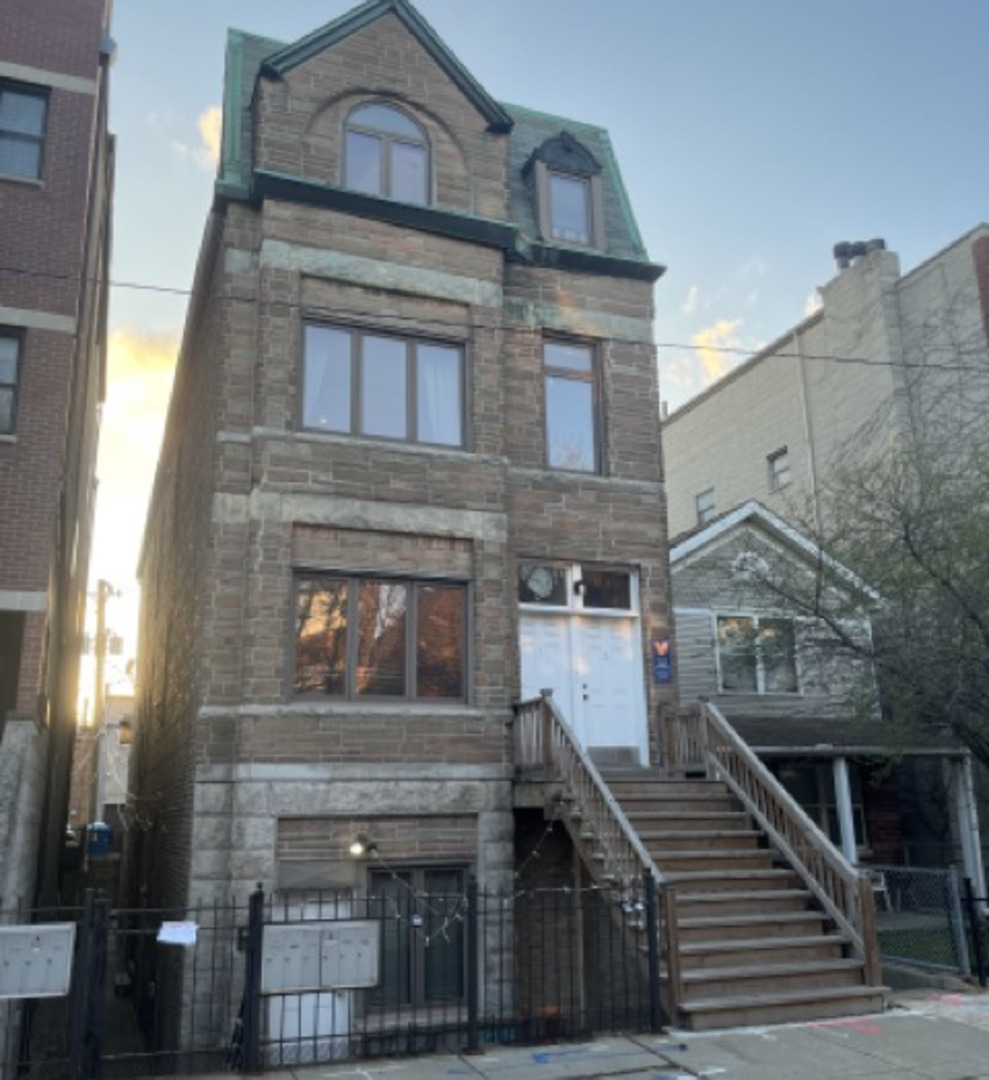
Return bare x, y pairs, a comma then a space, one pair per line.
330, 976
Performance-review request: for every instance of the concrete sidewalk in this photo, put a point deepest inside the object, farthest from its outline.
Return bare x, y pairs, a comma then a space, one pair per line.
933, 1036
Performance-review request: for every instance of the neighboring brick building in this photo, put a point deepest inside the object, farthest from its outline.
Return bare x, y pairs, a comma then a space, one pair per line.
886, 359
411, 469
56, 179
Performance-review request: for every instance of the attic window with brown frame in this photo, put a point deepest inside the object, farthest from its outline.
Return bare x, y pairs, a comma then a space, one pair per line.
567, 187
386, 153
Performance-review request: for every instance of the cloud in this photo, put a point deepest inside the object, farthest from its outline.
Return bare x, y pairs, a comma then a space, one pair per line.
210, 125
812, 304
139, 384
710, 344
690, 300
753, 267
207, 154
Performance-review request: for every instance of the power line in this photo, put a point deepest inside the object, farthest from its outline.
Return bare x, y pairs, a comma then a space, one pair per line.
341, 314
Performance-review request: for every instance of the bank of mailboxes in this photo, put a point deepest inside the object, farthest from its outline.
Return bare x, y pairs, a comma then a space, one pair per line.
320, 956
36, 961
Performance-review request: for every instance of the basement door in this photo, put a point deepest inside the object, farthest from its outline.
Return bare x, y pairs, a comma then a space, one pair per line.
580, 635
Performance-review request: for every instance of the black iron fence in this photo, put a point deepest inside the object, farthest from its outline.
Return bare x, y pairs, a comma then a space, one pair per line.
412, 966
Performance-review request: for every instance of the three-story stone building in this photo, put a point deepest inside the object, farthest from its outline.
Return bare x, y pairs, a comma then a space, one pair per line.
411, 471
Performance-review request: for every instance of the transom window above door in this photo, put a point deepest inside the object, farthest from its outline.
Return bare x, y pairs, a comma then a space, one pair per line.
357, 382
576, 586
386, 153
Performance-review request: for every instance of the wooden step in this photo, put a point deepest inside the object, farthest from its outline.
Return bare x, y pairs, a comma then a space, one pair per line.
668, 788
672, 862
706, 839
663, 821
761, 978
756, 924
807, 1003
665, 801
694, 881
731, 901
745, 952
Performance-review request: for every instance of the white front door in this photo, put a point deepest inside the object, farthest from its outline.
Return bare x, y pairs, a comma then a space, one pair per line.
591, 660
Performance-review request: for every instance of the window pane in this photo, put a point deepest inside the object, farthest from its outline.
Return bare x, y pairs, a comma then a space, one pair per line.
9, 348
607, 589
363, 155
381, 639
440, 642
409, 173
439, 395
20, 157
541, 584
737, 654
327, 392
22, 114
392, 905
570, 424
779, 665
444, 926
383, 387
6, 411
384, 118
321, 636
569, 209
569, 357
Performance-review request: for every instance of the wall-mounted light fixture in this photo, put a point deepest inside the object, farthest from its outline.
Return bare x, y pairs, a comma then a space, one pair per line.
362, 845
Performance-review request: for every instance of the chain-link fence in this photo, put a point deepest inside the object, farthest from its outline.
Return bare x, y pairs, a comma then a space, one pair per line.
919, 916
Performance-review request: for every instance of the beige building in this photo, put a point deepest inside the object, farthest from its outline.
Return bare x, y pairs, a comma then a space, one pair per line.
886, 358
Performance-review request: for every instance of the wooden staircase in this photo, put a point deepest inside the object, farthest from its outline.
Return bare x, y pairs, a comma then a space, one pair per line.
753, 945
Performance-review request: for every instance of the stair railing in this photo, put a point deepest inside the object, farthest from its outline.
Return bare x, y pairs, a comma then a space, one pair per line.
546, 749
706, 739
545, 743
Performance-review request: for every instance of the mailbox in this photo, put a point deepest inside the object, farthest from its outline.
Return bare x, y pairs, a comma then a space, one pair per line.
300, 957
36, 960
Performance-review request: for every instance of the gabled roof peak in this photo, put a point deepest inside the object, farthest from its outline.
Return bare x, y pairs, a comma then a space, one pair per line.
283, 61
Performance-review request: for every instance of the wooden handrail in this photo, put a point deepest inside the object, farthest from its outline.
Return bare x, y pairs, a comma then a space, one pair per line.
545, 743
706, 738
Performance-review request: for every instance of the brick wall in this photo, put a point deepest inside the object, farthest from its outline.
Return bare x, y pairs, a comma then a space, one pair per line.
244, 499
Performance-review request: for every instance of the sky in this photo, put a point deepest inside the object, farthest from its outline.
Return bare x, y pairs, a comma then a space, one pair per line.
752, 136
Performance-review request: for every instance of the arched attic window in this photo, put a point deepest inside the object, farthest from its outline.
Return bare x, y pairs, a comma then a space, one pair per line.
568, 191
386, 153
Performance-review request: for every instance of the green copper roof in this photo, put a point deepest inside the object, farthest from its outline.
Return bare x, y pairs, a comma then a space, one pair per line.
250, 57
314, 43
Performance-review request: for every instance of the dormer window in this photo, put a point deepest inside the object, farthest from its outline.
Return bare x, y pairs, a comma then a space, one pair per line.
567, 187
386, 153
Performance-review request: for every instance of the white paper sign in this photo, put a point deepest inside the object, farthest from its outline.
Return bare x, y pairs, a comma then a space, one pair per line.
178, 933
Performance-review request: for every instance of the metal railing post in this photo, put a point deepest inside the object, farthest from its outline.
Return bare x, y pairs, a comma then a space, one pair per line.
473, 968
975, 930
652, 942
81, 989
252, 982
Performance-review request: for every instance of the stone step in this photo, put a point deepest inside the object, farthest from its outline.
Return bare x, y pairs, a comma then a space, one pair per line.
806, 1003
747, 952
757, 924
741, 981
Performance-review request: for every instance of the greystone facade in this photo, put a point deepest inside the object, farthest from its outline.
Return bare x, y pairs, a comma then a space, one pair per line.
238, 779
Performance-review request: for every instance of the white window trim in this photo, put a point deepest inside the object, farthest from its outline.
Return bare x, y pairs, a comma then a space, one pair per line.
575, 599
760, 690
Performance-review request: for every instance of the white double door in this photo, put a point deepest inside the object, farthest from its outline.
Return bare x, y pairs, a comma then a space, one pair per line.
593, 664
